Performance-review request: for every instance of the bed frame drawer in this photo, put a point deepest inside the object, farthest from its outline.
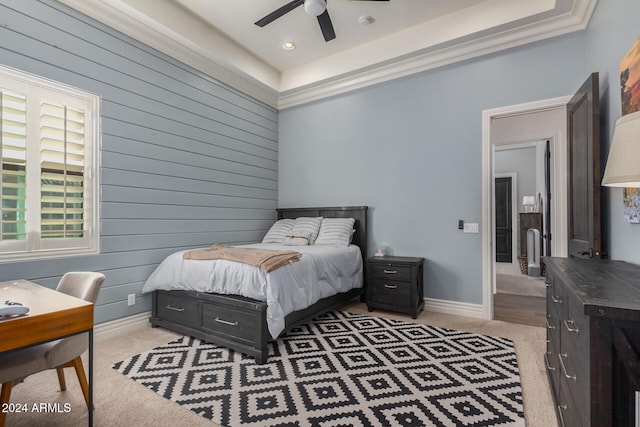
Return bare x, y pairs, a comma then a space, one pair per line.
178, 309
233, 322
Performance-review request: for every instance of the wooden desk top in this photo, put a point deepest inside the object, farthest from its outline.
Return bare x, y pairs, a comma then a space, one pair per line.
52, 315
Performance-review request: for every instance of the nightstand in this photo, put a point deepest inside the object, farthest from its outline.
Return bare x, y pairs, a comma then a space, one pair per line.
395, 283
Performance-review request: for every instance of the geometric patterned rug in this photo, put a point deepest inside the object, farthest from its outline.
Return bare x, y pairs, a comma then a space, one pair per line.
343, 369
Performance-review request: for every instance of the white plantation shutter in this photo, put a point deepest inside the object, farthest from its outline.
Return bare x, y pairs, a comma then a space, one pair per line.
61, 171
13, 140
49, 147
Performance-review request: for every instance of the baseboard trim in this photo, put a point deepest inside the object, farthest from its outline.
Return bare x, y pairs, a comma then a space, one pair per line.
110, 329
140, 321
454, 307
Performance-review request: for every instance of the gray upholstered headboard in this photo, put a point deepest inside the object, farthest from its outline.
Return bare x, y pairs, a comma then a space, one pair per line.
359, 213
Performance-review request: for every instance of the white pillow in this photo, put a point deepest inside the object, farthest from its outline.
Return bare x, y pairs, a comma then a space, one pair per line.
335, 231
300, 239
278, 231
307, 224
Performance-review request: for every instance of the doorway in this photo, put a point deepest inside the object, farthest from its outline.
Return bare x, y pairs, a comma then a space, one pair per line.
524, 124
518, 296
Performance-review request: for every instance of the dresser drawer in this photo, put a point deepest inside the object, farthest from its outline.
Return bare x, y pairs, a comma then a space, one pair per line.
574, 374
179, 309
390, 291
553, 326
557, 301
229, 321
552, 365
570, 415
575, 328
391, 271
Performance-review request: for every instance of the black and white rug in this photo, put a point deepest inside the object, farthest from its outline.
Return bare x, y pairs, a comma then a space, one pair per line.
343, 369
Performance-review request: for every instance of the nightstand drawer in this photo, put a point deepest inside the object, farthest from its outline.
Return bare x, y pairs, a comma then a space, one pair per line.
391, 271
390, 291
178, 309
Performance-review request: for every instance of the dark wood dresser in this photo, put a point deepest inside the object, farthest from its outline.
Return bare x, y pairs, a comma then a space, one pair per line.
593, 340
395, 283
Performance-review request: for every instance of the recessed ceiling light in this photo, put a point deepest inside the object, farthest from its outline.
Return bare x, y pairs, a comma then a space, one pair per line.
365, 20
288, 46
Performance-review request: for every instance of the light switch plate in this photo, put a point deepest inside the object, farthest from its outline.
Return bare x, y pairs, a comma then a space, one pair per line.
470, 227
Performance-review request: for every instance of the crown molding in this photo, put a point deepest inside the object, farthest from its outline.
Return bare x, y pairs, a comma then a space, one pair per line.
265, 86
575, 20
127, 20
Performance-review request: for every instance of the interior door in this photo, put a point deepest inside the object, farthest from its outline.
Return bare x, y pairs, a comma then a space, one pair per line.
583, 121
504, 228
546, 227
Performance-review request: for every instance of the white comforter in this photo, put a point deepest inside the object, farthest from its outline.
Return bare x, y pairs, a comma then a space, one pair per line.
321, 272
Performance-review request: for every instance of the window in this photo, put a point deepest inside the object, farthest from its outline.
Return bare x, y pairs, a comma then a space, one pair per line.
49, 182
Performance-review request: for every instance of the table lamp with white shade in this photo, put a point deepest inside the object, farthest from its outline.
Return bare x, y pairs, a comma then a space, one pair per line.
623, 164
528, 202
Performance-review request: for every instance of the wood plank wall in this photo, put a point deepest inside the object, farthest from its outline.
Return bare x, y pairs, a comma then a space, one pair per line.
185, 160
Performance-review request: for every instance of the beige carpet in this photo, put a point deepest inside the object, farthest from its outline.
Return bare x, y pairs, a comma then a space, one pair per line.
122, 402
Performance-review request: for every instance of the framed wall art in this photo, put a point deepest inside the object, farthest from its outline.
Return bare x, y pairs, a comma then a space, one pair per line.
630, 96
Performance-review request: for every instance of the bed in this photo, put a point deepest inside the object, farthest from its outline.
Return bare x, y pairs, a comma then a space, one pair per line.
239, 322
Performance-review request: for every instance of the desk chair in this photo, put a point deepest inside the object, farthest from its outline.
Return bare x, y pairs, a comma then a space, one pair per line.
58, 354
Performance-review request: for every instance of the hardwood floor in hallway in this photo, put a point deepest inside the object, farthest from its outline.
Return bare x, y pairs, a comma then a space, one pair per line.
519, 298
522, 309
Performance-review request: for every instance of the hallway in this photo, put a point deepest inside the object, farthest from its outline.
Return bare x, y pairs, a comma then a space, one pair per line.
510, 280
519, 298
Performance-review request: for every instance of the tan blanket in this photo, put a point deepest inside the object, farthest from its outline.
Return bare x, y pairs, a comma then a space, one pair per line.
267, 259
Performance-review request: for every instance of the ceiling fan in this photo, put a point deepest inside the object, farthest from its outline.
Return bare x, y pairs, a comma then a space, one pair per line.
316, 8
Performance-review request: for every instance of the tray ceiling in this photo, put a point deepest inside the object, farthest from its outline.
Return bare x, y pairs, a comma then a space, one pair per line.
219, 38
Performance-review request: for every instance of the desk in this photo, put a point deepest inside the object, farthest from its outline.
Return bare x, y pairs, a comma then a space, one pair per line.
52, 315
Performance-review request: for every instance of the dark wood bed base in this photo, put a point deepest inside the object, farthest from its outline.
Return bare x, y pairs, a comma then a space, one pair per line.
240, 323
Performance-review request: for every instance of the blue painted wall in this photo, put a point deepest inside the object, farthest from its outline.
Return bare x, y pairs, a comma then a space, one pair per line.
411, 150
186, 161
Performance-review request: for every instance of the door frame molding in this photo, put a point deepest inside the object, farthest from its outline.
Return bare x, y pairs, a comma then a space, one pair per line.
558, 187
514, 211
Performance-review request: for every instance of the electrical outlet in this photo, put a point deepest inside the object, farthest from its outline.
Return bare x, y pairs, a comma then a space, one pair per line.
131, 299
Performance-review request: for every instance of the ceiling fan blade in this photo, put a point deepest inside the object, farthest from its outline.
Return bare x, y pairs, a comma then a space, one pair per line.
279, 12
326, 26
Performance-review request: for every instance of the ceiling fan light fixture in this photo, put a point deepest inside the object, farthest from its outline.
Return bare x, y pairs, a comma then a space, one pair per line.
315, 7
